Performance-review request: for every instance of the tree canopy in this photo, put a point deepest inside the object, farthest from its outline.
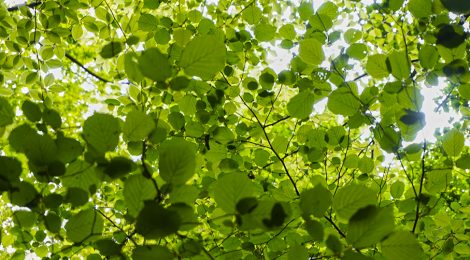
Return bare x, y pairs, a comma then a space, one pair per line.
163, 129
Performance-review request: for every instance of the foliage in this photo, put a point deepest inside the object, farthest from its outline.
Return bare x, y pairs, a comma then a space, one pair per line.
161, 129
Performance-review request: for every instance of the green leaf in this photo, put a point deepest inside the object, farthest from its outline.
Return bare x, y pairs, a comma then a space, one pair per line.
41, 149
118, 167
420, 8
52, 118
223, 135
457, 6
203, 56
252, 14
137, 126
68, 149
369, 225
315, 230
111, 50
177, 161
352, 197
352, 36
342, 102
287, 31
230, 188
311, 52
297, 252
333, 243
155, 222
305, 10
265, 32
301, 105
154, 65
152, 252
147, 22
138, 189
84, 225
6, 112
31, 110
76, 197
397, 189
453, 142
101, 131
53, 222
438, 180
108, 247
357, 51
377, 66
463, 162
82, 175
11, 168
464, 91
399, 65
22, 193
395, 5
401, 245
315, 201
428, 56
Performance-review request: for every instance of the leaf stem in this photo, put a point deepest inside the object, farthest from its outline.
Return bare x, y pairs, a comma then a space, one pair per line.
72, 59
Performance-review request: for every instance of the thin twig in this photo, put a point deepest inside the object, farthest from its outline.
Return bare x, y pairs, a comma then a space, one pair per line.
72, 59
115, 225
272, 147
276, 122
146, 172
335, 226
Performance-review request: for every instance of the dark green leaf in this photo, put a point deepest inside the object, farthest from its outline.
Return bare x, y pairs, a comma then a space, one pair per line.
111, 49
315, 201
154, 65
84, 225
155, 222
31, 110
6, 112
101, 131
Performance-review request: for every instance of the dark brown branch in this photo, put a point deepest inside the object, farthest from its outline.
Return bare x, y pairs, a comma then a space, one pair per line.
277, 121
336, 227
360, 77
17, 7
423, 171
72, 59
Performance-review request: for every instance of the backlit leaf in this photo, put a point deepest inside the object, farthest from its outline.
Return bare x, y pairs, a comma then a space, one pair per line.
311, 51
84, 225
177, 161
453, 142
203, 56
401, 245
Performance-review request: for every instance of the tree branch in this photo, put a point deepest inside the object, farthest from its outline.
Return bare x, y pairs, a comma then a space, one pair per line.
146, 172
423, 171
335, 226
115, 225
72, 59
272, 148
277, 121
